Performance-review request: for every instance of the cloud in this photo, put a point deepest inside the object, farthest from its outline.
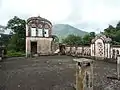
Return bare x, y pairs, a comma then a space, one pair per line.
54, 10
101, 11
98, 14
90, 15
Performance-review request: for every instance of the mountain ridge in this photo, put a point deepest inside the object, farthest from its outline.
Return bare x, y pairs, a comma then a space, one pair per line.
63, 30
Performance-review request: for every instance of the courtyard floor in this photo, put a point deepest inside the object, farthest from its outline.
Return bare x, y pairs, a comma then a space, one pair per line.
51, 73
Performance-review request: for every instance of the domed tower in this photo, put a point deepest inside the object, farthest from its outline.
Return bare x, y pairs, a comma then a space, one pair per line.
38, 36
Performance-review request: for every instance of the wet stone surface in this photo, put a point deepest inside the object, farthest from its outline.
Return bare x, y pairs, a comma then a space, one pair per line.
51, 73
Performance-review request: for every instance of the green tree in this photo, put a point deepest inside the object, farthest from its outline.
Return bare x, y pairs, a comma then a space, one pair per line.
113, 33
72, 40
118, 26
88, 37
17, 42
92, 34
110, 31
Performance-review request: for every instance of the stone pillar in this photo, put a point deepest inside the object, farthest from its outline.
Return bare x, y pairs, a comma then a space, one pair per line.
118, 66
106, 50
109, 50
92, 49
26, 30
84, 74
28, 48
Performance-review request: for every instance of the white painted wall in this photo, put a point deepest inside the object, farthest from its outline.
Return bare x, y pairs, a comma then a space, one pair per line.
35, 39
97, 48
26, 48
26, 30
106, 50
92, 49
109, 51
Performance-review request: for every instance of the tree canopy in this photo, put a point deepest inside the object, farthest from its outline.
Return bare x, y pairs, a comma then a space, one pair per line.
78, 40
72, 40
17, 41
113, 33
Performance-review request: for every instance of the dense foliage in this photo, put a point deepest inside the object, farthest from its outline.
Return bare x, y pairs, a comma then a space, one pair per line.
113, 33
88, 37
72, 40
17, 41
78, 40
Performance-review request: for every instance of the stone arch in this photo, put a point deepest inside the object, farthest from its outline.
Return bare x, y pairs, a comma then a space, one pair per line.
100, 46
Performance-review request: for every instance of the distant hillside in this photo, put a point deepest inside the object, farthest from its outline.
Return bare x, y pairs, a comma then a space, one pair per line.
63, 30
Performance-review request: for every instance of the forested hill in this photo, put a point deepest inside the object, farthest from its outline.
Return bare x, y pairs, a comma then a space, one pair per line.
63, 30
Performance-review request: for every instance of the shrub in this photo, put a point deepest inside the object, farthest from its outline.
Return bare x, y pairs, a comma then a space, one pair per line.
13, 53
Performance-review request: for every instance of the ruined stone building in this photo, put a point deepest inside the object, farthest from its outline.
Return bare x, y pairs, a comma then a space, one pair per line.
100, 48
39, 38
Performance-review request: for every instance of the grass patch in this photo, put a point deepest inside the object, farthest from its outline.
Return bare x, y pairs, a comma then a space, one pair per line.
13, 53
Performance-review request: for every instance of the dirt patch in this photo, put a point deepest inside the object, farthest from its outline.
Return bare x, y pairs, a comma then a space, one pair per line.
51, 73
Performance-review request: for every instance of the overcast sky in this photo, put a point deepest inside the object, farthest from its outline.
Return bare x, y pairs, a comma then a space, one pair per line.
88, 15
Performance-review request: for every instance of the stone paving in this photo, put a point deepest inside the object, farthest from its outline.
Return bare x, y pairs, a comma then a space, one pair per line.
51, 73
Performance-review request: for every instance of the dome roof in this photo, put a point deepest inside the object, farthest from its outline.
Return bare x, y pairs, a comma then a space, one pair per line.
103, 37
38, 18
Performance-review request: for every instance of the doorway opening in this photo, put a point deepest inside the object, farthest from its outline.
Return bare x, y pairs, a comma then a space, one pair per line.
34, 47
62, 49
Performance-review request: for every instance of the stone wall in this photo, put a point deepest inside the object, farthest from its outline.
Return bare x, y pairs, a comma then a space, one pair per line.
78, 50
100, 48
55, 46
43, 45
110, 52
115, 50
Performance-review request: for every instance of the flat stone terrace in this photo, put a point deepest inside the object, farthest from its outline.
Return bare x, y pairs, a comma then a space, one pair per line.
51, 73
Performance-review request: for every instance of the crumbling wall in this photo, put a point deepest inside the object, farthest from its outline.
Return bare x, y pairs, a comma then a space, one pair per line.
78, 50
115, 51
54, 46
43, 45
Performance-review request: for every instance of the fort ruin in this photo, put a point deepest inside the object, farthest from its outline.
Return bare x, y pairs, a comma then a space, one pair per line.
39, 39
